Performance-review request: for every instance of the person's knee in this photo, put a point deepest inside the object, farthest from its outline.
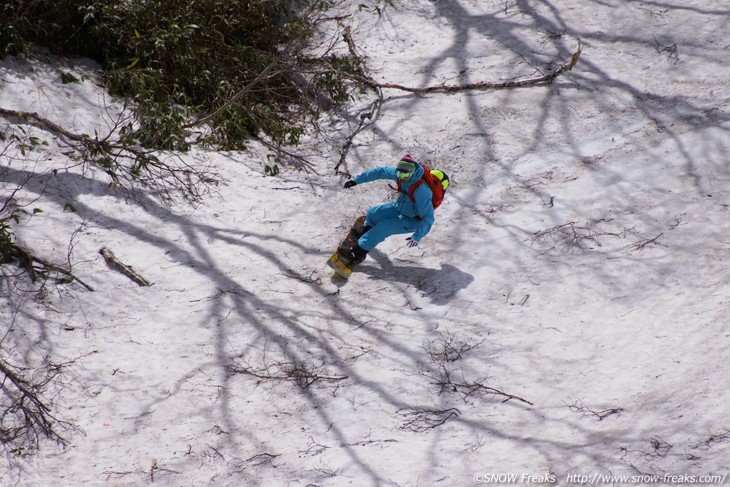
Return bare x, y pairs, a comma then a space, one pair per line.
380, 213
381, 231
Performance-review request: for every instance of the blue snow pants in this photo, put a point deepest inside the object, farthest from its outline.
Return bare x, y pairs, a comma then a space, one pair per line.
385, 221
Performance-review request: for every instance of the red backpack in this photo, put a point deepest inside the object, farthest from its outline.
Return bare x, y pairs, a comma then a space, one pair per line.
437, 182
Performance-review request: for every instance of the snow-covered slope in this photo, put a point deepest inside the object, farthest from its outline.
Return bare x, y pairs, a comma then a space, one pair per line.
578, 265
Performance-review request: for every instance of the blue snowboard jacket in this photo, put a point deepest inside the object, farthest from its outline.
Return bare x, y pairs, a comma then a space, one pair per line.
423, 206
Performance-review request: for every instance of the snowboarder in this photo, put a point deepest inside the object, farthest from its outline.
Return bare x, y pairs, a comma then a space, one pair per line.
411, 212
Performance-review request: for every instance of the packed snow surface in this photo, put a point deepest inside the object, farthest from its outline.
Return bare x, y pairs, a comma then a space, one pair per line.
564, 322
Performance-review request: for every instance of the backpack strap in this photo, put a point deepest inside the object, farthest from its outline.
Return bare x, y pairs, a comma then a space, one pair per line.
411, 193
412, 190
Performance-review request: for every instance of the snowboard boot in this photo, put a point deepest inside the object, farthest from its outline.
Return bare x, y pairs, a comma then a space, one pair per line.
351, 252
359, 228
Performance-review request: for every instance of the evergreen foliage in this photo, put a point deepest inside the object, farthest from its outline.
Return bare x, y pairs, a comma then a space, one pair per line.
181, 59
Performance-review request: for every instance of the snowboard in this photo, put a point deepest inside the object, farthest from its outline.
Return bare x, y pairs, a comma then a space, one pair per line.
342, 265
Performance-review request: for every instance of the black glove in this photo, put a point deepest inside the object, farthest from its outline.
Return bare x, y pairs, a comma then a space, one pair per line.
349, 184
411, 243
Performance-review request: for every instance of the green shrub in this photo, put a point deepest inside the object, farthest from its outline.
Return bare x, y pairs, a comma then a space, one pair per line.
178, 59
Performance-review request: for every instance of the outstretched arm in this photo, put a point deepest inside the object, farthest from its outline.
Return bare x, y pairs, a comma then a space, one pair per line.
383, 172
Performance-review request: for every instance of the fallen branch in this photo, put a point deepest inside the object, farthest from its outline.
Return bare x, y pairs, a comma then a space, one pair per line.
112, 261
303, 162
55, 268
122, 159
547, 78
264, 74
85, 140
36, 413
372, 112
23, 413
28, 260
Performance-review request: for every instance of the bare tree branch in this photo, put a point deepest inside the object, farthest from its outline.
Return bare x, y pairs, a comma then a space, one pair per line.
24, 414
28, 260
546, 78
371, 113
124, 161
260, 77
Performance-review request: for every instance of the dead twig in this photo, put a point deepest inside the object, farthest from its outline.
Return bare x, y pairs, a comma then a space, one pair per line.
263, 459
580, 407
468, 388
301, 374
155, 467
642, 244
420, 420
444, 352
265, 73
573, 237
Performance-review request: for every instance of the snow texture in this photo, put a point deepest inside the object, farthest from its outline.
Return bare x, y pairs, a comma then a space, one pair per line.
579, 262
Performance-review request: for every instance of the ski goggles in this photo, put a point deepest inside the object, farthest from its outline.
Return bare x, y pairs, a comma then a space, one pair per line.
405, 170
